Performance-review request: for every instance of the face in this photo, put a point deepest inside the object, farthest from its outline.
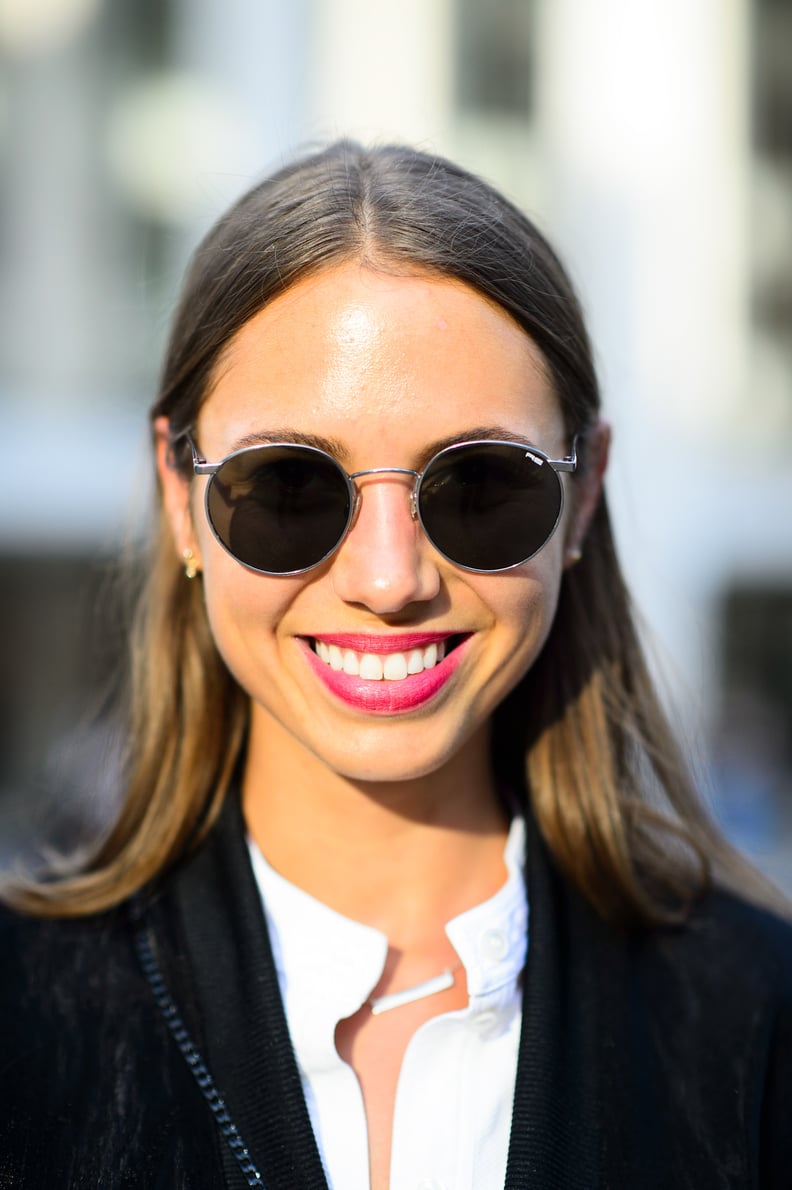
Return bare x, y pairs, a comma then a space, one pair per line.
382, 369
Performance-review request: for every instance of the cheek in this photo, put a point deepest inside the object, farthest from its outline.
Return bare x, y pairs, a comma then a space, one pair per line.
531, 613
539, 600
523, 607
244, 611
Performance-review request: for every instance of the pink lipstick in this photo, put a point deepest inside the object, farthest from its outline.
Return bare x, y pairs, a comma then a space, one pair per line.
394, 642
384, 696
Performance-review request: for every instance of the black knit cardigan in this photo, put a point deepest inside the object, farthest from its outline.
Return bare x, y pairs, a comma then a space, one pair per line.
147, 1047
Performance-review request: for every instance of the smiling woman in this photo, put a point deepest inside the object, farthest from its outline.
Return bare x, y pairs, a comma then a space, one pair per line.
386, 702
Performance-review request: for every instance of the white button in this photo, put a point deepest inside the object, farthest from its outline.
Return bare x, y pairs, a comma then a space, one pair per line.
495, 945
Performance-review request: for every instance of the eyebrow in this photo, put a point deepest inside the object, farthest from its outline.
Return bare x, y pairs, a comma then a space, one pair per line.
331, 446
476, 434
336, 448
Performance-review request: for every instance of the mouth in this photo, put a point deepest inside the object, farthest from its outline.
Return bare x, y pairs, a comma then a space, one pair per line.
372, 674
376, 660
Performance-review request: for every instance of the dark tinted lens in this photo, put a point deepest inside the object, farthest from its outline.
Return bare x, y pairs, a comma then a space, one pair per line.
279, 508
489, 506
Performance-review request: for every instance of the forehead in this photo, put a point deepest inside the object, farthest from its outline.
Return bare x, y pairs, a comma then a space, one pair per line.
368, 357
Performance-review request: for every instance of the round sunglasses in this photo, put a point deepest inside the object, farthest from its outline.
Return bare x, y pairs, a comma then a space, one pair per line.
282, 508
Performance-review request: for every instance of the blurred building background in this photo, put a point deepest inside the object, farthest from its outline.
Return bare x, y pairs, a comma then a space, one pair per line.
653, 142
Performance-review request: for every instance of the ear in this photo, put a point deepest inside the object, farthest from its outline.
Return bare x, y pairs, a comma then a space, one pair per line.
176, 490
588, 490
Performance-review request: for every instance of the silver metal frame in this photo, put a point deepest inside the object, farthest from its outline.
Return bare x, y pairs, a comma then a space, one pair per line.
202, 467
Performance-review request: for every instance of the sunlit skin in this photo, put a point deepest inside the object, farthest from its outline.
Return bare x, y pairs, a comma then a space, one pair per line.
348, 804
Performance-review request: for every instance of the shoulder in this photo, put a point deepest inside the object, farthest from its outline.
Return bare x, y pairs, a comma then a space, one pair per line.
23, 934
713, 991
726, 972
89, 1069
66, 986
727, 942
719, 995
727, 1007
52, 966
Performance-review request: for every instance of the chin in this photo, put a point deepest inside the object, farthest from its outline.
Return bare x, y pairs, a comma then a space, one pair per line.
386, 766
392, 758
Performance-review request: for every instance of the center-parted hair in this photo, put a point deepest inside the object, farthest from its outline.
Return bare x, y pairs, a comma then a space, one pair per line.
582, 737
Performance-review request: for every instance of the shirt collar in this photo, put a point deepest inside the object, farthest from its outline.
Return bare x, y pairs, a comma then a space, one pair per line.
328, 964
491, 939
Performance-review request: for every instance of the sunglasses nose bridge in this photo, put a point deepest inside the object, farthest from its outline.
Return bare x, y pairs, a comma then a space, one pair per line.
356, 475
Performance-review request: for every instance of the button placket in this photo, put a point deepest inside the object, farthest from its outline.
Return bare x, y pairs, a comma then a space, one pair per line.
485, 1019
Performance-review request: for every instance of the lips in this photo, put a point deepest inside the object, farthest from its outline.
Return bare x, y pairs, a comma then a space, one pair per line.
385, 674
383, 642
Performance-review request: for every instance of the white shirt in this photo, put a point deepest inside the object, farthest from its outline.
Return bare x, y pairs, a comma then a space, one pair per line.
453, 1108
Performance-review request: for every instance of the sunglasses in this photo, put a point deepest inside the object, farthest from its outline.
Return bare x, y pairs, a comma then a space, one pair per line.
281, 508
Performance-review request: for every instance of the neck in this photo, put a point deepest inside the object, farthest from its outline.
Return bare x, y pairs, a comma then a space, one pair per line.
404, 857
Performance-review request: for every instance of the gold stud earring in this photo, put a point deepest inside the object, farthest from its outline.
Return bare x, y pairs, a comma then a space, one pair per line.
573, 555
190, 569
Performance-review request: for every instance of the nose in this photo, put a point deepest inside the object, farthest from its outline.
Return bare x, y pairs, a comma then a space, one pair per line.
385, 562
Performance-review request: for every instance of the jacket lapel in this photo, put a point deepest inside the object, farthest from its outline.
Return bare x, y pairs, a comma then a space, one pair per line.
583, 1110
557, 1071
220, 960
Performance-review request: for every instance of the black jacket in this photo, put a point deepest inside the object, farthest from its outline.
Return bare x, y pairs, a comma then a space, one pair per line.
147, 1047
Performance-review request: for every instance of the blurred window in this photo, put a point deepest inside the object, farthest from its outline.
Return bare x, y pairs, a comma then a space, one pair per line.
757, 647
76, 256
495, 57
60, 678
752, 739
772, 209
773, 78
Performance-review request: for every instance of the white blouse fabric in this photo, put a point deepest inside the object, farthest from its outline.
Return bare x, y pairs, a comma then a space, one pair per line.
453, 1107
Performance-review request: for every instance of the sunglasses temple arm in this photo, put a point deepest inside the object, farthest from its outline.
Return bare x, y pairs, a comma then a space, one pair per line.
569, 462
200, 465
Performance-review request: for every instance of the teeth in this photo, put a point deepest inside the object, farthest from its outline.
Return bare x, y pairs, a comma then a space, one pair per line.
351, 664
334, 658
370, 667
374, 667
394, 669
415, 661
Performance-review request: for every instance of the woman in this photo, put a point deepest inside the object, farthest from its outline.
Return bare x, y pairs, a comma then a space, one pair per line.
383, 668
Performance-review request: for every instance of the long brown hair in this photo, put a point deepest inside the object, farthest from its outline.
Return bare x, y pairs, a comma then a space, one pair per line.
584, 729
